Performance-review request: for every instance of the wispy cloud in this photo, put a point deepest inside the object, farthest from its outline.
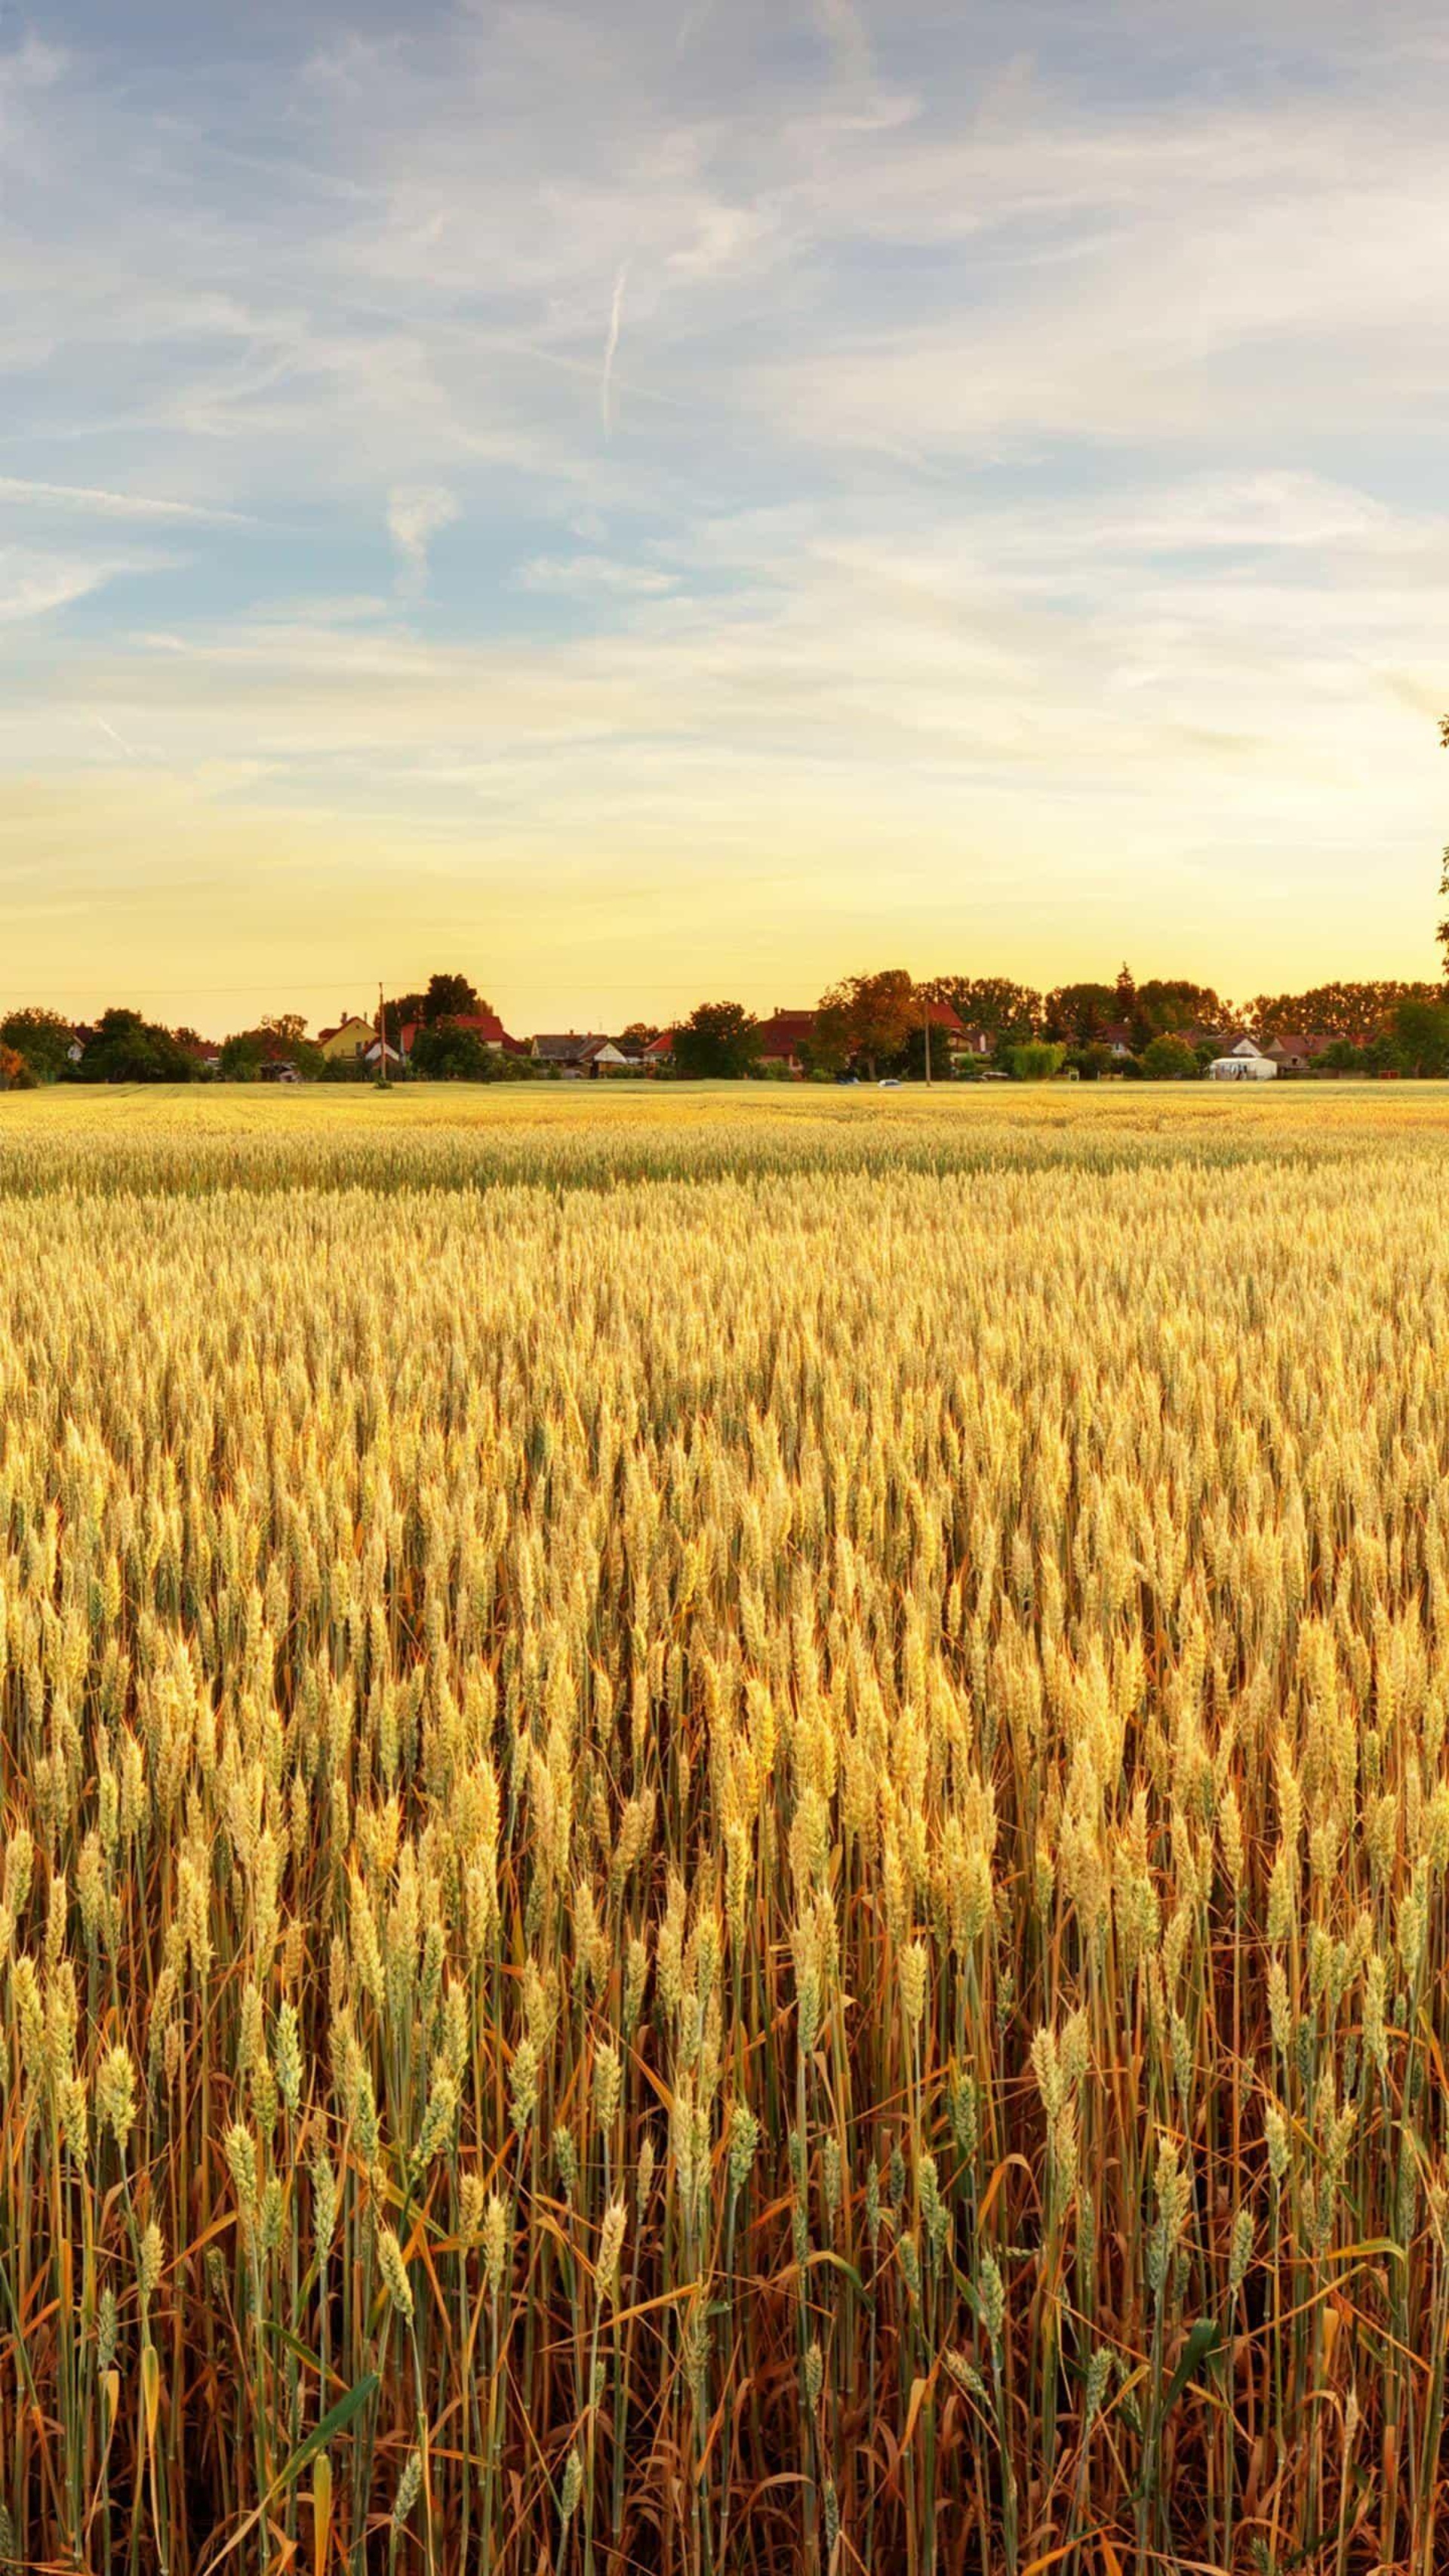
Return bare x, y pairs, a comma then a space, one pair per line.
842, 23
611, 347
579, 574
415, 515
87, 501
34, 583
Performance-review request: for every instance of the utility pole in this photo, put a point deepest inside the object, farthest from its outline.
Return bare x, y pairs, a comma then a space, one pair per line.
381, 1036
927, 1025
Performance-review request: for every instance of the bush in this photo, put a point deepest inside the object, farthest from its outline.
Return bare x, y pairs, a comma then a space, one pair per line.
449, 1054
127, 1048
1421, 1030
1036, 1061
1090, 1062
1169, 1059
1342, 1057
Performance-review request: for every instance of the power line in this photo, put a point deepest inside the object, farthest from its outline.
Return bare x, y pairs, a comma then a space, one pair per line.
254, 984
170, 992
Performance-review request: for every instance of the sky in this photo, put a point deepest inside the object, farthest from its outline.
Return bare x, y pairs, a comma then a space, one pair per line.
659, 500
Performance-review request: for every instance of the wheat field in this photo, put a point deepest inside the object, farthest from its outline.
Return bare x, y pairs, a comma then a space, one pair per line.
725, 1826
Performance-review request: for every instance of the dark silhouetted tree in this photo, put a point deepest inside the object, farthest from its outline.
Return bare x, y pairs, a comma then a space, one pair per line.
718, 1042
870, 1016
447, 1054
42, 1037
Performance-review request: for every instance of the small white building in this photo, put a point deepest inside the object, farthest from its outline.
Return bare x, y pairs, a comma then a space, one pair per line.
1243, 1063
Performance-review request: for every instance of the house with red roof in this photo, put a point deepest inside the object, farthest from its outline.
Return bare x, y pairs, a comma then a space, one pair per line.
485, 1026
785, 1042
1294, 1052
950, 1036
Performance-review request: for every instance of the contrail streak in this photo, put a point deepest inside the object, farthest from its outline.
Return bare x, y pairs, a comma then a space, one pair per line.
616, 322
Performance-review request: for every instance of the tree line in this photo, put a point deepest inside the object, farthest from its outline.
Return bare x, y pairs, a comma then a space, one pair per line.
876, 1022
1170, 1027
37, 1044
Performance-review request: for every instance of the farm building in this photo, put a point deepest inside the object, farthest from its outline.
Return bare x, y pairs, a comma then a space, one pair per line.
1244, 1063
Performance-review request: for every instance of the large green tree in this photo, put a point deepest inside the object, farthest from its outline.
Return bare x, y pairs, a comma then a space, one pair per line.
1422, 1031
1080, 1012
988, 1002
446, 997
870, 1016
1158, 1008
718, 1042
127, 1048
1358, 1011
444, 1054
42, 1038
1166, 1004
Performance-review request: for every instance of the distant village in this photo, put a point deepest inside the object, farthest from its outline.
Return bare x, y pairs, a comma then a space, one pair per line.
883, 1028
